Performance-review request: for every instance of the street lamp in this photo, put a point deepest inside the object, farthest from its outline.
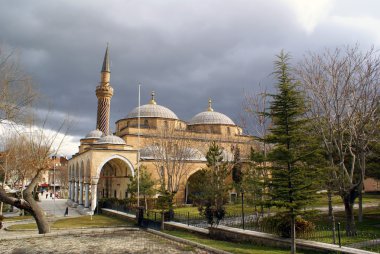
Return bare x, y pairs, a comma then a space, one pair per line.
242, 207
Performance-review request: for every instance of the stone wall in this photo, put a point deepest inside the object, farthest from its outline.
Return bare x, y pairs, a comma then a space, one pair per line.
258, 238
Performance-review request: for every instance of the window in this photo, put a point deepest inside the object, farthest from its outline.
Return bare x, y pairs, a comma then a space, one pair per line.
166, 124
228, 130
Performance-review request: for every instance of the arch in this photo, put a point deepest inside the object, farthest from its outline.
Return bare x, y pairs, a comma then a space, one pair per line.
113, 176
115, 156
189, 189
81, 172
77, 172
87, 172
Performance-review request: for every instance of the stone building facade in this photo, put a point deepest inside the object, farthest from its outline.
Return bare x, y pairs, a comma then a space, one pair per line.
105, 163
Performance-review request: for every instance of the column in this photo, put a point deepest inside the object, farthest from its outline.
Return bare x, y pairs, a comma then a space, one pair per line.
80, 193
72, 190
76, 192
69, 190
86, 200
94, 194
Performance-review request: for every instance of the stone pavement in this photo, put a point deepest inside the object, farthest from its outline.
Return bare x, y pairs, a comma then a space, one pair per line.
56, 207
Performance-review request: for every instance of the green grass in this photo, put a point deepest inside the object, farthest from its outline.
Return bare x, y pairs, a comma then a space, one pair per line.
238, 248
321, 201
17, 218
76, 222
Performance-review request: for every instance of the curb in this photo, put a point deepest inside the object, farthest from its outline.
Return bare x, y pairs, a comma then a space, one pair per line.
188, 242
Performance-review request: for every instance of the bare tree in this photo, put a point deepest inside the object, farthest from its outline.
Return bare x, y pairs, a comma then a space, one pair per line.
171, 150
29, 153
16, 90
257, 122
342, 87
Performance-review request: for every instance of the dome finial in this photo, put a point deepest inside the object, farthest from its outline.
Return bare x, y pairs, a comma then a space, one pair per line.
152, 101
209, 105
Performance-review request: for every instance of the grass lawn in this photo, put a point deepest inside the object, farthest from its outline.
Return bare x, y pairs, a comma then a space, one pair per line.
321, 201
76, 222
238, 248
17, 218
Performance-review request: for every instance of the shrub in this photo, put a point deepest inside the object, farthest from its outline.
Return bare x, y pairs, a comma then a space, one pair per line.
280, 224
212, 214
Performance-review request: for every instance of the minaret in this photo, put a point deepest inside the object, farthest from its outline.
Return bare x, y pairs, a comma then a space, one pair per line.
104, 94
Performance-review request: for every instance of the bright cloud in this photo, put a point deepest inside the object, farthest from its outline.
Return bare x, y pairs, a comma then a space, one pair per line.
310, 12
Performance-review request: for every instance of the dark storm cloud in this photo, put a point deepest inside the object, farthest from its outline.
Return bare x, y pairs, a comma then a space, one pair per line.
186, 51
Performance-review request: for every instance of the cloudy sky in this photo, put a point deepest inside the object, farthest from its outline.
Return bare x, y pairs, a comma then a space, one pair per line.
186, 51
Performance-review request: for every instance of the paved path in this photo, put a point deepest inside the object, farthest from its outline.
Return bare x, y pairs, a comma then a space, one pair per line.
56, 207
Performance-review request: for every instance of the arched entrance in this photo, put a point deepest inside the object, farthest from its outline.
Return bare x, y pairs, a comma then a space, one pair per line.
194, 186
114, 176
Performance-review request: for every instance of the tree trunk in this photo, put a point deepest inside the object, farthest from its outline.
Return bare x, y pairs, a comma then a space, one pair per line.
349, 211
293, 233
360, 212
163, 220
38, 214
329, 198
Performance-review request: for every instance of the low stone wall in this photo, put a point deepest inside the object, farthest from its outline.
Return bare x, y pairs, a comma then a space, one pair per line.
171, 225
240, 235
121, 215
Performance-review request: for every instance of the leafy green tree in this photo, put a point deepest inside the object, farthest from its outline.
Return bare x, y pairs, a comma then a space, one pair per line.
292, 184
146, 185
256, 181
237, 172
215, 181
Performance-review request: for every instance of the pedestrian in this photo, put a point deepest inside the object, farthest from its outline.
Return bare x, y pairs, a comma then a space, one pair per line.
67, 211
47, 195
51, 194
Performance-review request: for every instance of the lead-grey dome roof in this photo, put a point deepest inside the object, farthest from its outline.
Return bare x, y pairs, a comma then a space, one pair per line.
111, 139
156, 152
211, 117
152, 110
94, 134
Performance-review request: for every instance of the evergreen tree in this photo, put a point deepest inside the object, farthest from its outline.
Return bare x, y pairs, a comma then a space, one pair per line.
146, 183
237, 173
292, 177
217, 189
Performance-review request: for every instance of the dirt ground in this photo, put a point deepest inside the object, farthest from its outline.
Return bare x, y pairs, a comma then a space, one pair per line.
120, 242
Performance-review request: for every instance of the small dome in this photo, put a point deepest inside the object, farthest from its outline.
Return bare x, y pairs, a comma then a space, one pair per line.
111, 139
94, 134
211, 117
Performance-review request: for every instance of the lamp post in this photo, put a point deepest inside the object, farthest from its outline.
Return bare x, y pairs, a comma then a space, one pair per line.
54, 157
242, 208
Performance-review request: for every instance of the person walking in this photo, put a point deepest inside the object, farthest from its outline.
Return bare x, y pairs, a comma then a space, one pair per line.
67, 211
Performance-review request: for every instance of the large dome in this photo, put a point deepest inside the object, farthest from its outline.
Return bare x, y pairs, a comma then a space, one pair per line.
111, 139
211, 117
152, 110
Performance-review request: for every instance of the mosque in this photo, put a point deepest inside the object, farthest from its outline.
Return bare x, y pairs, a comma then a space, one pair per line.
106, 162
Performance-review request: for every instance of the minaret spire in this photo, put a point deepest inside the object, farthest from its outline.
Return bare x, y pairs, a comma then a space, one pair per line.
106, 62
104, 93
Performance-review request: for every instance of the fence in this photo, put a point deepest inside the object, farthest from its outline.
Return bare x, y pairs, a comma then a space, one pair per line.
361, 240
